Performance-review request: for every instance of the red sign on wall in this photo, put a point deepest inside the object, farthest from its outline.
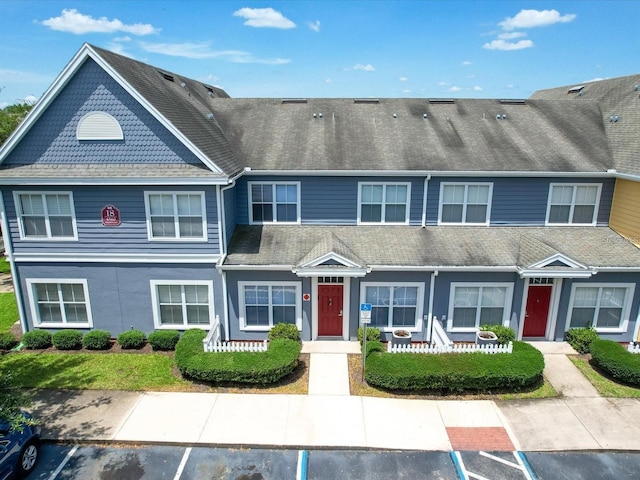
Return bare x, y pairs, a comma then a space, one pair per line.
110, 216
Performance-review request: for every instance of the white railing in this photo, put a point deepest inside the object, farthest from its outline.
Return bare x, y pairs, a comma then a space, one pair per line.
440, 338
213, 336
453, 348
238, 346
633, 347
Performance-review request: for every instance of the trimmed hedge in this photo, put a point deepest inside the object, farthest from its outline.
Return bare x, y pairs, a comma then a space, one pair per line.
504, 334
164, 339
615, 360
132, 339
284, 330
7, 341
67, 339
97, 340
580, 338
237, 367
37, 339
373, 334
456, 372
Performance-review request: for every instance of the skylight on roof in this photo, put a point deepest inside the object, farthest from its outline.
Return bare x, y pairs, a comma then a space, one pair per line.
366, 100
294, 100
442, 101
576, 89
167, 76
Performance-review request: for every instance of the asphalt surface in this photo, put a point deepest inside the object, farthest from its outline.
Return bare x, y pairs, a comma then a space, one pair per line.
66, 462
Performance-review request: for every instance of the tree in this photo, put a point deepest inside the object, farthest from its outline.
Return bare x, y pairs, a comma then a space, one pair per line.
12, 401
10, 118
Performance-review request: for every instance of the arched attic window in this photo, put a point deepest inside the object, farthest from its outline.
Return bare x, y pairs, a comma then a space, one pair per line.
99, 126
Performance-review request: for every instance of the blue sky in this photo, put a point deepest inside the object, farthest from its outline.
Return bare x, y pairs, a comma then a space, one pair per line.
455, 48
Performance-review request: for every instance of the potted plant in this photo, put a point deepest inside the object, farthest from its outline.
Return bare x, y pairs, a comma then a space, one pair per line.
486, 337
401, 337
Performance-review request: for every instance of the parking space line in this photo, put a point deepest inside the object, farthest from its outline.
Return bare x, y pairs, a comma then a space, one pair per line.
183, 462
63, 462
303, 461
459, 464
526, 467
501, 460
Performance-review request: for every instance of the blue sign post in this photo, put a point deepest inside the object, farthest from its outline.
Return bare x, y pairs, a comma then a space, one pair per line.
365, 319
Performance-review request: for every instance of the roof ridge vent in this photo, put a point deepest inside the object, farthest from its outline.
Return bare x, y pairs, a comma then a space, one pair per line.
294, 100
366, 100
576, 89
442, 101
210, 91
513, 101
167, 76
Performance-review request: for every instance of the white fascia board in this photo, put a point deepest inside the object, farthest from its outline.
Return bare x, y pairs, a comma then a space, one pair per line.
618, 269
278, 268
317, 262
432, 268
329, 272
424, 173
627, 176
533, 273
114, 258
92, 181
558, 257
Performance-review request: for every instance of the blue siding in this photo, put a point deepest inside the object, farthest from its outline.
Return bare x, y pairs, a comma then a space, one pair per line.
52, 139
129, 237
120, 294
230, 208
519, 201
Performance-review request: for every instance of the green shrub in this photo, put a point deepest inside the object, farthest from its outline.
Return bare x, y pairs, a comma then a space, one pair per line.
132, 339
37, 339
67, 339
616, 361
373, 334
457, 372
504, 334
238, 367
164, 339
374, 346
284, 330
7, 341
580, 338
97, 340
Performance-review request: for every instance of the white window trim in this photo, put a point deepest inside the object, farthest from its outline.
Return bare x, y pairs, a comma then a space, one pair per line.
573, 204
48, 238
626, 309
384, 196
274, 203
466, 186
506, 314
259, 328
185, 326
174, 194
35, 313
419, 307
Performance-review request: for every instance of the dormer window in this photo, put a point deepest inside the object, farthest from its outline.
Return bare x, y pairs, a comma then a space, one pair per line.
99, 126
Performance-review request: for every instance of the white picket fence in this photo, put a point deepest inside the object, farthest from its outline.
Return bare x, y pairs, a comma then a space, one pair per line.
633, 347
237, 347
454, 348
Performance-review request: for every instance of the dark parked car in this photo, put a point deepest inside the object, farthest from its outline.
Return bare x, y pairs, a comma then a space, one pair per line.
19, 451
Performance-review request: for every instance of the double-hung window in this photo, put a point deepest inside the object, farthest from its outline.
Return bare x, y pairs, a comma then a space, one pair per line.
47, 215
182, 304
265, 304
383, 203
394, 305
276, 202
465, 203
176, 216
59, 303
472, 305
602, 306
573, 204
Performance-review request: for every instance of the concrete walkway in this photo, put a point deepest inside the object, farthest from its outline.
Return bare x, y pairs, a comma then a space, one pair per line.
6, 283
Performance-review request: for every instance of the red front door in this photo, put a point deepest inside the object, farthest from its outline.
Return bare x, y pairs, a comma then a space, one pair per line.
537, 312
330, 310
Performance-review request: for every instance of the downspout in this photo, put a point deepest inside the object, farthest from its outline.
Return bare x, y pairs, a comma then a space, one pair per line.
424, 200
432, 287
14, 270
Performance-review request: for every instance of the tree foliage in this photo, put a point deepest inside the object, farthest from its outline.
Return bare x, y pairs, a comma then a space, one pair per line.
12, 401
10, 118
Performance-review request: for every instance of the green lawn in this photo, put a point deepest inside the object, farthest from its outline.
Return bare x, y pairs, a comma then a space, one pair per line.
604, 386
4, 265
124, 371
8, 311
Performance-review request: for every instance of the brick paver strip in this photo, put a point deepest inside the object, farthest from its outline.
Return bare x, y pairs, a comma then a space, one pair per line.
480, 438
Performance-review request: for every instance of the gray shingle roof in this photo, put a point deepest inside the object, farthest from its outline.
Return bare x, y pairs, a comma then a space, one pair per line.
616, 96
393, 134
404, 246
187, 108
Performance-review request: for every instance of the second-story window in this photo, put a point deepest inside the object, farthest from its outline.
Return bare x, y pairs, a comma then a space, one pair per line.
46, 215
176, 216
276, 202
383, 203
465, 203
573, 204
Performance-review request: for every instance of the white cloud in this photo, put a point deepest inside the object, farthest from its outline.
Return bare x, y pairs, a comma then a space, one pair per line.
454, 89
327, 80
75, 22
403, 79
504, 45
203, 50
30, 99
443, 84
466, 63
367, 68
477, 89
597, 79
535, 18
511, 85
406, 90
122, 39
264, 18
315, 26
512, 35
19, 76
